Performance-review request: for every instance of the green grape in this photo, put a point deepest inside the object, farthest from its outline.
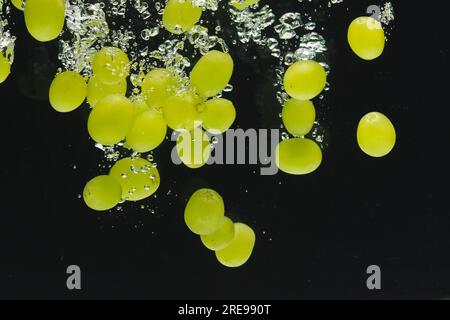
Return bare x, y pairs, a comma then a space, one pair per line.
298, 156
218, 115
97, 90
204, 212
111, 65
366, 38
242, 4
240, 249
140, 107
44, 18
111, 119
376, 135
18, 4
305, 80
194, 148
158, 85
220, 239
138, 177
212, 73
102, 193
147, 131
180, 111
298, 116
180, 16
5, 68
67, 91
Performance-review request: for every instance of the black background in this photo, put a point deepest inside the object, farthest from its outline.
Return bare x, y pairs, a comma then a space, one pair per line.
316, 234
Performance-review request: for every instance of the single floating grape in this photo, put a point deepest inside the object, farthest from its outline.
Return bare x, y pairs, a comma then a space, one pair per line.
298, 156
366, 38
194, 148
157, 86
180, 16
218, 116
44, 18
298, 116
242, 4
220, 239
97, 90
305, 80
5, 68
67, 91
102, 193
147, 131
180, 111
111, 119
212, 73
240, 249
111, 65
19, 4
138, 177
204, 212
376, 135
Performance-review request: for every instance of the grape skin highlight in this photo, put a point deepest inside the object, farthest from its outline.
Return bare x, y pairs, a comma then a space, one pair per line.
376, 135
138, 177
111, 119
298, 116
44, 18
212, 73
298, 156
305, 80
67, 91
204, 212
240, 249
102, 193
366, 38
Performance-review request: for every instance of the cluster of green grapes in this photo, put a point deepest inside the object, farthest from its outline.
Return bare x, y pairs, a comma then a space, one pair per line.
305, 80
232, 242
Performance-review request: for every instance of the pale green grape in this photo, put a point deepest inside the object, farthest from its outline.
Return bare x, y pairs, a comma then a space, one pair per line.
18, 4
376, 135
194, 148
305, 80
138, 177
180, 111
298, 156
180, 16
212, 73
220, 239
97, 90
298, 116
157, 86
111, 119
147, 131
204, 212
240, 249
5, 68
102, 193
111, 65
140, 107
44, 18
218, 115
67, 91
366, 38
242, 4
